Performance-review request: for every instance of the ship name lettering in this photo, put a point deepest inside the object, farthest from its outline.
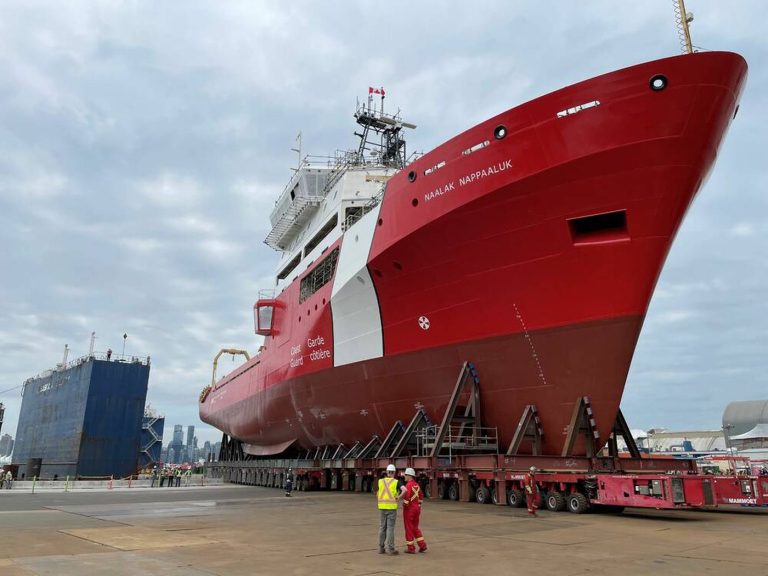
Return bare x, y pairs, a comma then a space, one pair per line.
439, 191
480, 174
319, 354
297, 361
295, 350
317, 341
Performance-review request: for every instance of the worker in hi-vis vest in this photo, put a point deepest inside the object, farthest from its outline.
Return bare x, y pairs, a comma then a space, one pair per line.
387, 496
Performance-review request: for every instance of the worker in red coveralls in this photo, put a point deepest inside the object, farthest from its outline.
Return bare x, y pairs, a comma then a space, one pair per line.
412, 498
531, 491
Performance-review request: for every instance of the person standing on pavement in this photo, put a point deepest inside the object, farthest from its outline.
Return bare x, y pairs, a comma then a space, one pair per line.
178, 477
289, 482
8, 480
412, 499
531, 491
387, 497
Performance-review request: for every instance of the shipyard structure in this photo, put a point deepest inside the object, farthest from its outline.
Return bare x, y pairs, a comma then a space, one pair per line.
83, 419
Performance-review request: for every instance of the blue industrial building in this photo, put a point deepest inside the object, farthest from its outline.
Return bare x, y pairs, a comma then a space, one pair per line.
83, 420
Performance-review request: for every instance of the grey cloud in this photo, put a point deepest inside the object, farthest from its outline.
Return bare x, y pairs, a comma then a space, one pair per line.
142, 146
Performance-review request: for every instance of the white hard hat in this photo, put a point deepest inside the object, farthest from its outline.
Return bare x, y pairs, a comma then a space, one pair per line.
391, 468
410, 472
533, 468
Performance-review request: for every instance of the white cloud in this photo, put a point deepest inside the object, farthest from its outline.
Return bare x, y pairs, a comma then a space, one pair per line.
743, 229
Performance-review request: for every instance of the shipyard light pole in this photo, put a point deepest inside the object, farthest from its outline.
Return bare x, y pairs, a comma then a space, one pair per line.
2, 411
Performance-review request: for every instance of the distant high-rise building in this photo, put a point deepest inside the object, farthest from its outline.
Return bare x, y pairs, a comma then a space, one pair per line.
176, 446
190, 437
207, 451
6, 444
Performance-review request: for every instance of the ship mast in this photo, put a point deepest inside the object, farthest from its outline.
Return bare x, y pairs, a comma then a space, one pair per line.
683, 18
381, 140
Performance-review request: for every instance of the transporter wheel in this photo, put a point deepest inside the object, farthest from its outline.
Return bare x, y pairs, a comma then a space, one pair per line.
442, 491
578, 503
453, 491
482, 494
555, 501
494, 493
515, 498
473, 484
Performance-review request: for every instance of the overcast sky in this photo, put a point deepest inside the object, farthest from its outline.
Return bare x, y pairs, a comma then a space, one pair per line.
143, 144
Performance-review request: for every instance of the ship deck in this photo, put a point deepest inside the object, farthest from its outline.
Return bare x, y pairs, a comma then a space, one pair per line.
233, 530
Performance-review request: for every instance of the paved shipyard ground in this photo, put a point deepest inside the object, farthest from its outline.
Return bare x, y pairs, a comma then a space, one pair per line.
237, 530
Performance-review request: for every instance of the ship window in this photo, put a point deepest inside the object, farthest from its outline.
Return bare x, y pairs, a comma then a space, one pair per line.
319, 276
264, 313
321, 235
265, 317
608, 227
291, 265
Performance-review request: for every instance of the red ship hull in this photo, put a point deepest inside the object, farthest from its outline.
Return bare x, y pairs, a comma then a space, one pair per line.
533, 255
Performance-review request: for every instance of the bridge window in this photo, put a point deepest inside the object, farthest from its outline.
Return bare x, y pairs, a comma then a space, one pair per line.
321, 235
290, 267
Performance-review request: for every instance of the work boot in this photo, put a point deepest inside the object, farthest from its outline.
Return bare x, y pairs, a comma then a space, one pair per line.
382, 551
394, 552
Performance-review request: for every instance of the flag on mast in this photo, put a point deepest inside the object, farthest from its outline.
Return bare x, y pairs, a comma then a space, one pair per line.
372, 90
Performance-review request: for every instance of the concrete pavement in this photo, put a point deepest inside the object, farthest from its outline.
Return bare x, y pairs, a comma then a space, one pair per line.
238, 530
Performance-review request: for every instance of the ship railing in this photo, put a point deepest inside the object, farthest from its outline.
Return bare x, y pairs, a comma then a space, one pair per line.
459, 439
109, 357
354, 216
267, 294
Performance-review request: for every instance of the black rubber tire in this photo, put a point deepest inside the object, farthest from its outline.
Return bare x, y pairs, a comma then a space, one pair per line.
453, 491
516, 498
442, 490
482, 494
578, 503
555, 501
494, 493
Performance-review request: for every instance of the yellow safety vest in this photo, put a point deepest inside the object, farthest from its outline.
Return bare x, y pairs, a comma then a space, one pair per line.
387, 495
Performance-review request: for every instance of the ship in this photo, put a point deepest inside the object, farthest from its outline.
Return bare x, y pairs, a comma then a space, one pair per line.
528, 245
83, 418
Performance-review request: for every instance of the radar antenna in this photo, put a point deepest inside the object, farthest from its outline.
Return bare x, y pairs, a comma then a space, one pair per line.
683, 18
381, 141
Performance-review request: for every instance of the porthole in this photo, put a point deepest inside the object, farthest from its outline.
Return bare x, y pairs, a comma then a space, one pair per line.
411, 176
397, 265
658, 82
377, 273
500, 132
380, 222
415, 202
